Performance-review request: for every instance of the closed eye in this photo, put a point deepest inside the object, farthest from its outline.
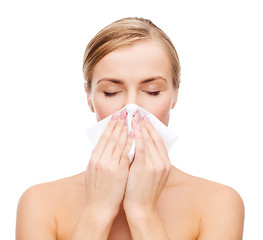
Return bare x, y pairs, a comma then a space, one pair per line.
107, 94
156, 93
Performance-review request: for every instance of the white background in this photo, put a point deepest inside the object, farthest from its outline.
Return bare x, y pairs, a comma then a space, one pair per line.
44, 113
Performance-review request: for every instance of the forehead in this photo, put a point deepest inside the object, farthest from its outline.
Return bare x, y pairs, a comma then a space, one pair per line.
141, 60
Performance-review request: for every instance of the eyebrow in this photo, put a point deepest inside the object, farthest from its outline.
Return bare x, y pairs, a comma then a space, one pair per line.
118, 81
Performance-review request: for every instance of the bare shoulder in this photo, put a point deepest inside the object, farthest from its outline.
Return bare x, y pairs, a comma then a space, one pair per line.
220, 208
45, 193
210, 193
39, 205
202, 190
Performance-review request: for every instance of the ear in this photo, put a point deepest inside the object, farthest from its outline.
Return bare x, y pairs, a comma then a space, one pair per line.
90, 104
174, 101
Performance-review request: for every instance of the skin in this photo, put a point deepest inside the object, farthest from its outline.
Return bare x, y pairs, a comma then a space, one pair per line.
132, 65
149, 199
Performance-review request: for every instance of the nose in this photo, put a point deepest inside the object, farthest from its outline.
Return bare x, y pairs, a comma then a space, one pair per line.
132, 98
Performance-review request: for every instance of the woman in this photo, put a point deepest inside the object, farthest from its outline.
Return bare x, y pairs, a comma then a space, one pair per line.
130, 61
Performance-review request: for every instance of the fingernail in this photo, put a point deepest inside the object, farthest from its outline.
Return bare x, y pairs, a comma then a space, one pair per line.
137, 117
126, 121
123, 114
146, 119
138, 127
115, 116
131, 134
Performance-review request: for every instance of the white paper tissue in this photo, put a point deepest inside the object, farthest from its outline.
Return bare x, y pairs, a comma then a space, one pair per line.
95, 131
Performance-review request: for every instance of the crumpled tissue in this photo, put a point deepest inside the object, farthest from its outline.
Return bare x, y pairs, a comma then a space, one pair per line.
95, 131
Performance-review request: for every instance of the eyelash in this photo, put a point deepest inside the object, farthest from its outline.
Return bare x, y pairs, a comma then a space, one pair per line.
156, 93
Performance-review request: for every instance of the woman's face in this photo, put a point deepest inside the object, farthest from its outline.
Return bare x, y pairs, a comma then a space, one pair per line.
139, 73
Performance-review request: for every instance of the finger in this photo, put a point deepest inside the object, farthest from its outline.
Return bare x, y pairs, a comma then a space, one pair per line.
160, 166
157, 139
120, 145
125, 160
113, 139
139, 143
105, 136
150, 148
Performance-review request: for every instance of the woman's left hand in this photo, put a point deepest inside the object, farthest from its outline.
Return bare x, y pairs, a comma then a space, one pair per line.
149, 171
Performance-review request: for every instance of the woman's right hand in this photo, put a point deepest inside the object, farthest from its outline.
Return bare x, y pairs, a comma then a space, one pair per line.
107, 172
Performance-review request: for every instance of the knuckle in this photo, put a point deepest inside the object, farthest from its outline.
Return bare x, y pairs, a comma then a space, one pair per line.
151, 169
110, 169
114, 137
104, 167
125, 157
159, 169
139, 148
99, 166
106, 135
120, 145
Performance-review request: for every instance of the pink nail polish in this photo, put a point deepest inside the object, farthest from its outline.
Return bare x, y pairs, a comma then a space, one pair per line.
146, 119
126, 121
123, 114
115, 116
131, 134
138, 127
137, 117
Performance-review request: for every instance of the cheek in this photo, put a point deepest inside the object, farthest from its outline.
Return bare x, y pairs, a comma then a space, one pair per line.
103, 107
160, 109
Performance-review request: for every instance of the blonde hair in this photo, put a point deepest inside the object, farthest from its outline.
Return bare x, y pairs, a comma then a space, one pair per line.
125, 32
